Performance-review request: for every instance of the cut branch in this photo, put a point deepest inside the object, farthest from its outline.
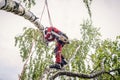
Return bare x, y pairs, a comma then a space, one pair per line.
81, 75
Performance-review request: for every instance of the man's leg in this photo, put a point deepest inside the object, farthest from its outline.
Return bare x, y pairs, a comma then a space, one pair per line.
57, 51
63, 61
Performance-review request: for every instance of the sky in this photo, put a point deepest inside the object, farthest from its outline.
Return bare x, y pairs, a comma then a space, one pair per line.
67, 15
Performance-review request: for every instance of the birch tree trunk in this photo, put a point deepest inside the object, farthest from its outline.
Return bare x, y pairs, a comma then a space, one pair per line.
18, 9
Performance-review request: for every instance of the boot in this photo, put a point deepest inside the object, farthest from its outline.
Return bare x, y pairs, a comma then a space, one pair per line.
64, 62
56, 66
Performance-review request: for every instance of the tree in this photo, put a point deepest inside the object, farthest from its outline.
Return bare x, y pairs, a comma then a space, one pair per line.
18, 9
89, 57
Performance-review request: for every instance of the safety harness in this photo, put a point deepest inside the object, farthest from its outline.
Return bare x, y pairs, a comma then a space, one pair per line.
61, 37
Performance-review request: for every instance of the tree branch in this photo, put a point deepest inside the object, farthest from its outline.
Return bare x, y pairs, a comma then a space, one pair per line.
47, 70
25, 64
74, 54
18, 9
81, 75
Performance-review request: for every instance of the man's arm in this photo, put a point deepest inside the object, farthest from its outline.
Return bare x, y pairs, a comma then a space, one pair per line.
60, 37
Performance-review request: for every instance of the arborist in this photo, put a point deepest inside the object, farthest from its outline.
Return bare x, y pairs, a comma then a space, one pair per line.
53, 34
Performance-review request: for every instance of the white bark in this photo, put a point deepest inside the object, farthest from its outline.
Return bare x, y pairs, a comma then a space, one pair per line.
18, 9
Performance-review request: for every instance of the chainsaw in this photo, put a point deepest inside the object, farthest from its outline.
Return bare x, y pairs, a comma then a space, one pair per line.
61, 37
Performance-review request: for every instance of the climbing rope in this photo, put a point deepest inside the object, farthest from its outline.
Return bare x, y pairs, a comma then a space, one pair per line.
50, 21
48, 12
42, 13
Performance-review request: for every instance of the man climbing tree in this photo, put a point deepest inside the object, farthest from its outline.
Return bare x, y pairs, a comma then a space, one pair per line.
103, 54
53, 34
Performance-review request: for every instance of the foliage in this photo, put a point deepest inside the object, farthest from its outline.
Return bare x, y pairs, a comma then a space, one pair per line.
88, 4
93, 51
93, 55
34, 52
28, 3
108, 52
